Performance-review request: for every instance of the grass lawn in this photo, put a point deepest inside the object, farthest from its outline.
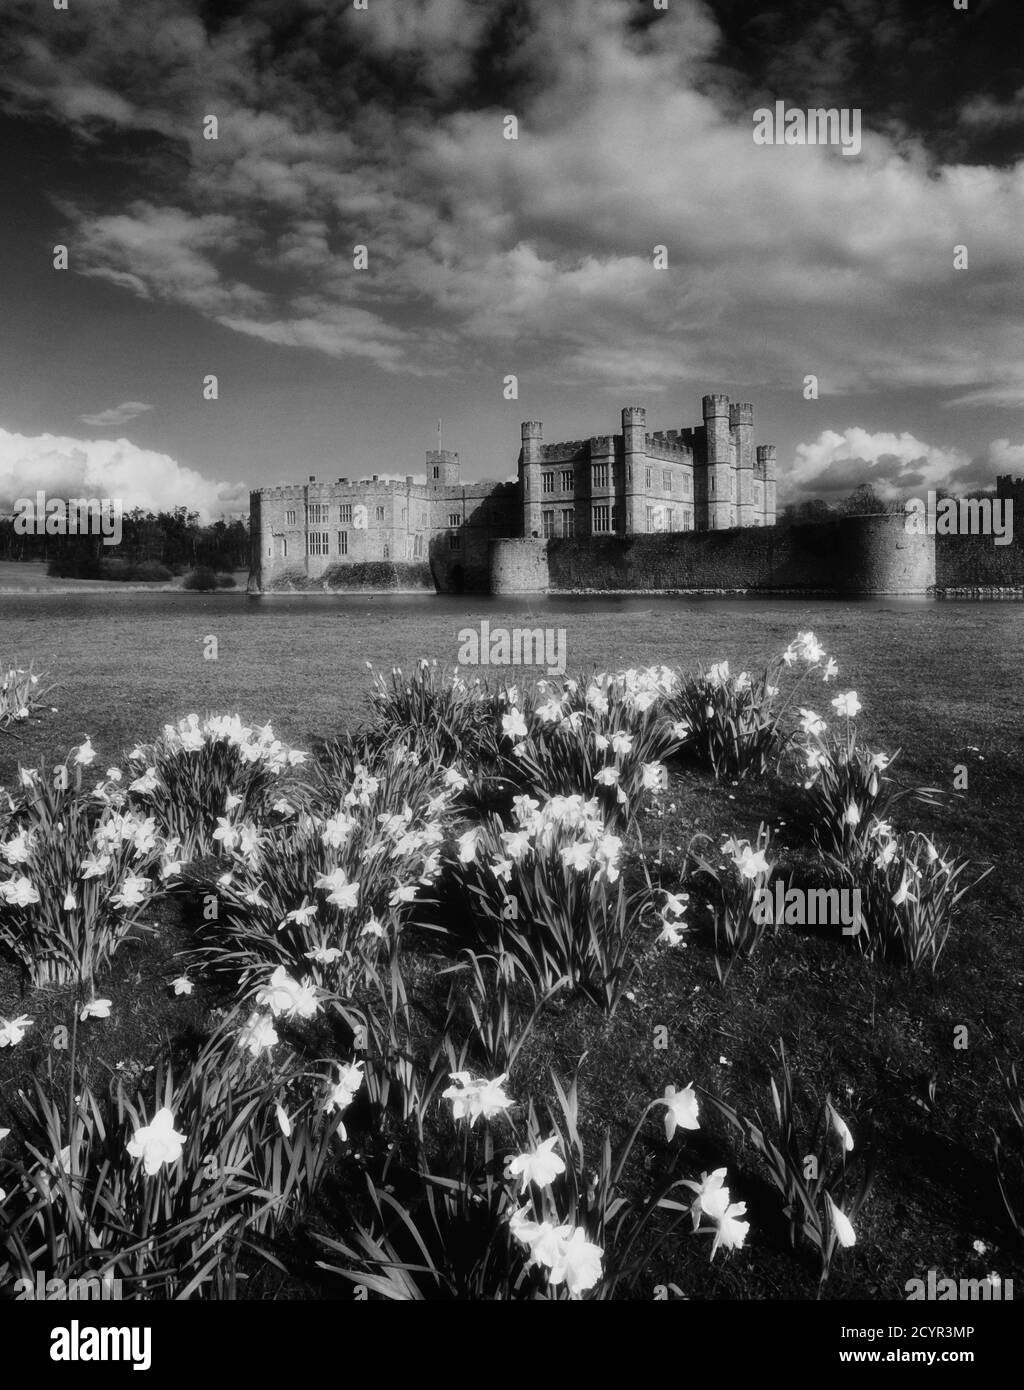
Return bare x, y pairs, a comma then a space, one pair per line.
940, 681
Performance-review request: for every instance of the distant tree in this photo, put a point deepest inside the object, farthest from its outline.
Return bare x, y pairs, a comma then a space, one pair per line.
813, 509
864, 501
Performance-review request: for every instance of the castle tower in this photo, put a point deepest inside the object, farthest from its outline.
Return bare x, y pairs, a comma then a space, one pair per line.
765, 468
634, 452
442, 468
741, 424
719, 463
529, 477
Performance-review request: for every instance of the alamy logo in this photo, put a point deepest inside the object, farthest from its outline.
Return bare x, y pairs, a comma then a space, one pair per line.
520, 646
78, 1343
809, 907
77, 516
955, 1290
964, 516
816, 126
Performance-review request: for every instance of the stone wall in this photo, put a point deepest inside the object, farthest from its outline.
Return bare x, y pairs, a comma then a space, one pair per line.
976, 562
853, 555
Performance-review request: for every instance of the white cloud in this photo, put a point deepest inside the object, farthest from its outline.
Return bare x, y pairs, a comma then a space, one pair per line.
109, 468
535, 255
895, 465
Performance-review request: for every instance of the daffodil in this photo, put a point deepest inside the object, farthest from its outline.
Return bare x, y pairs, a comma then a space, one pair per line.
472, 1099
541, 1166
841, 1128
258, 1034
157, 1143
95, 1008
682, 1109
841, 1224
283, 995
12, 1032
86, 754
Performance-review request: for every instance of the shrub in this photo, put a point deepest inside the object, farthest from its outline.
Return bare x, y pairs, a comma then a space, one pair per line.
742, 912
600, 737
75, 566
199, 778
312, 890
377, 574
225, 581
545, 894
201, 579
143, 571
79, 879
800, 1167
437, 710
88, 1207
20, 694
846, 791
525, 1218
908, 895
735, 723
291, 581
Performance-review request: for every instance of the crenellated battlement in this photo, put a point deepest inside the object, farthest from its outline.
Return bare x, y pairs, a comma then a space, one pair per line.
565, 452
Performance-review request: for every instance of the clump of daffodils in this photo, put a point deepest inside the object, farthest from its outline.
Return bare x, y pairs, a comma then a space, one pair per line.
79, 874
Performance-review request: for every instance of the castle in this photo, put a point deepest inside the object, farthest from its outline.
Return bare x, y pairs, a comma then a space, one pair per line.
703, 478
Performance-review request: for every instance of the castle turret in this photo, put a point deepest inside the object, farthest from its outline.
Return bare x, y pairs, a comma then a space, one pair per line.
634, 453
442, 468
529, 476
719, 461
741, 424
765, 473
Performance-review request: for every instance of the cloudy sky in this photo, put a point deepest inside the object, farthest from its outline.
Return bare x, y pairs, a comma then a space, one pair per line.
383, 127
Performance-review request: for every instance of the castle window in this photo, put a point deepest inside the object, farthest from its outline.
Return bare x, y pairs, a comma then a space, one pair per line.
437, 471
567, 480
647, 479
381, 513
289, 518
568, 522
547, 524
687, 485
403, 515
270, 552
316, 514
599, 475
343, 540
712, 482
387, 551
670, 519
650, 516
316, 543
345, 514
602, 519
417, 547
687, 519
666, 479
454, 519
284, 549
548, 482
455, 541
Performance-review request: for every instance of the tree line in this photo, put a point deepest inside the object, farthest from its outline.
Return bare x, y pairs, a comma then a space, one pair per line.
172, 540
